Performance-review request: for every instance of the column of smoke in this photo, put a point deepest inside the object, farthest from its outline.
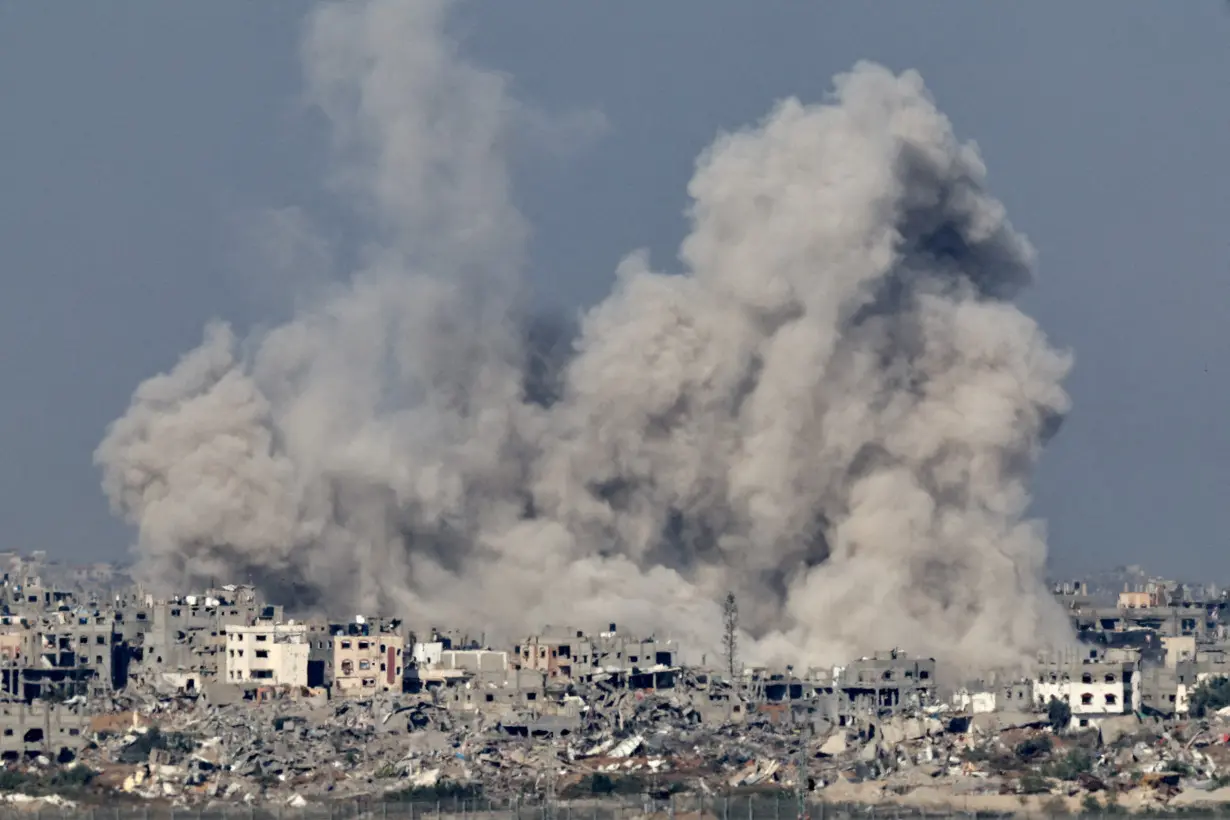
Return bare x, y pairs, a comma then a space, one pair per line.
833, 410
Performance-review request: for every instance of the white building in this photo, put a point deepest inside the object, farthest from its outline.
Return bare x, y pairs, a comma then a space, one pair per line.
976, 703
267, 654
428, 654
434, 663
1093, 689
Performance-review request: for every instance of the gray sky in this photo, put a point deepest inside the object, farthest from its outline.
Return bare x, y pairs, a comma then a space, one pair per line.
140, 142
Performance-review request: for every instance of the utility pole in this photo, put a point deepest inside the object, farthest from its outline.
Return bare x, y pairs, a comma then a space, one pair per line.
730, 636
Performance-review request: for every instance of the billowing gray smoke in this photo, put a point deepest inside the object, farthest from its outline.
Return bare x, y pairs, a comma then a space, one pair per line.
833, 410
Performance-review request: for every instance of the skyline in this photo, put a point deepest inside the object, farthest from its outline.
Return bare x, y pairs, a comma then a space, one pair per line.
87, 228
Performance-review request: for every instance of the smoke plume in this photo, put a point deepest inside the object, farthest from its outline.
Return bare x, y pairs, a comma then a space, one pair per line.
833, 409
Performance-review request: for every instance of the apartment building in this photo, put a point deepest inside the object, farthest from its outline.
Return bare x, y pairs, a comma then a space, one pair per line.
568, 654
1094, 685
185, 641
367, 659
267, 654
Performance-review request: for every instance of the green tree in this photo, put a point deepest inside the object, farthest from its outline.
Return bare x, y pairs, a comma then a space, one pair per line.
1071, 766
1059, 715
1211, 695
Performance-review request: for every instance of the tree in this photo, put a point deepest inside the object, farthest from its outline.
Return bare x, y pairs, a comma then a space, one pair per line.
1059, 715
730, 617
1211, 695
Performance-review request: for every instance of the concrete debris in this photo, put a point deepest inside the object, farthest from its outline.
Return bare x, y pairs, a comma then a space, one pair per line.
218, 699
835, 745
292, 751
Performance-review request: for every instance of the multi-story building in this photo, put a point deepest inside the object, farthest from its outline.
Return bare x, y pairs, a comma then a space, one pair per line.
568, 654
186, 638
367, 659
1094, 685
68, 652
889, 680
54, 730
267, 654
555, 652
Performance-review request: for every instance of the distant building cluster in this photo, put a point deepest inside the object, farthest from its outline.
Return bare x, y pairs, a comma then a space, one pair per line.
1145, 651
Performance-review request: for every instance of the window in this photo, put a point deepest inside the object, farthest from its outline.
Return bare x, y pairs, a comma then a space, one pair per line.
382, 668
1086, 678
364, 645
74, 732
365, 664
262, 674
1086, 699
923, 674
174, 613
382, 649
1111, 700
262, 637
1110, 677
347, 667
262, 653
490, 697
369, 681
531, 696
101, 640
345, 644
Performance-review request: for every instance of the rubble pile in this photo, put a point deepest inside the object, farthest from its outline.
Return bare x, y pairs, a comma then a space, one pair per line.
296, 750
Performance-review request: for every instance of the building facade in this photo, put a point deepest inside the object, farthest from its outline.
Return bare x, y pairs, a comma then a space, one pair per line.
267, 654
367, 662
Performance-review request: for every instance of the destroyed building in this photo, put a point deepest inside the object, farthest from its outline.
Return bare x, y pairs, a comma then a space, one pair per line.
54, 731
889, 680
185, 642
562, 700
569, 654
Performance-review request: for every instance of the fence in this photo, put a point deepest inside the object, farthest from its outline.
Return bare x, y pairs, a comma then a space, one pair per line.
692, 807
